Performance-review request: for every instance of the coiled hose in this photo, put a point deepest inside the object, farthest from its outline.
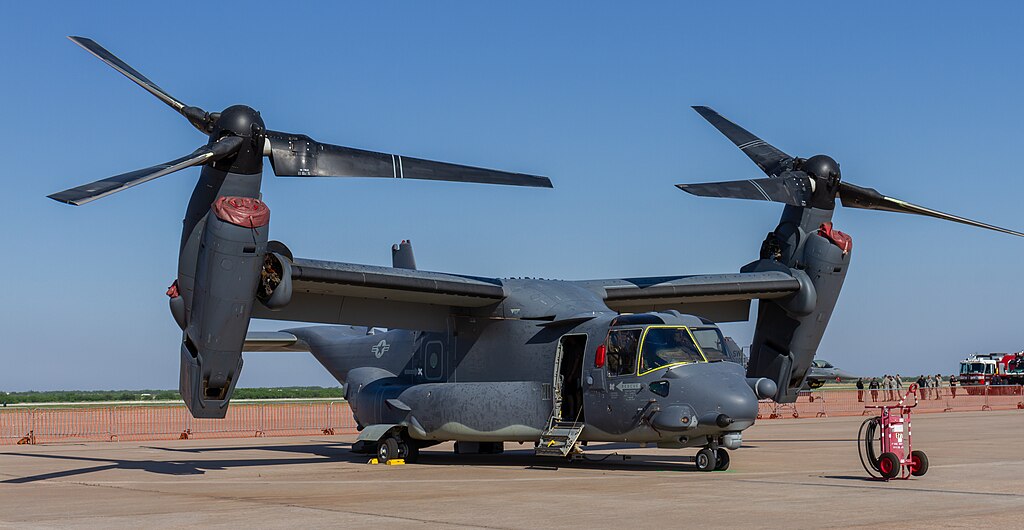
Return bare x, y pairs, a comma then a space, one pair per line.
866, 446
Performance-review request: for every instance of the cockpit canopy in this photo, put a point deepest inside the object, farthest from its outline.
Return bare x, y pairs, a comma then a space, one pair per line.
645, 349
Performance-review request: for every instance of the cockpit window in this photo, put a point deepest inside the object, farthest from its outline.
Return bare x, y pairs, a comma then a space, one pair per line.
667, 346
622, 346
711, 343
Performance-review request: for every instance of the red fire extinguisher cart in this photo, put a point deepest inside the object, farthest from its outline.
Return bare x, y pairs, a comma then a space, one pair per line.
890, 432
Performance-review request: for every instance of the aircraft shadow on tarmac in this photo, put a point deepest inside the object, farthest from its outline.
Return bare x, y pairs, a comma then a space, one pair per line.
606, 459
340, 452
197, 466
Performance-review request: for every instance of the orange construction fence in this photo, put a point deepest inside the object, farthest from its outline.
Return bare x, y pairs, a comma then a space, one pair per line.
824, 403
143, 422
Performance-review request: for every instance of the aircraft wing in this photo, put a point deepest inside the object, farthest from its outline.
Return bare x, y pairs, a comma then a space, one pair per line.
718, 297
273, 341
344, 293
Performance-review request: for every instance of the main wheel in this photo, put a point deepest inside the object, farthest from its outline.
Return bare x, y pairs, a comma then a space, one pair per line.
722, 460
889, 466
705, 460
408, 450
918, 463
387, 449
412, 453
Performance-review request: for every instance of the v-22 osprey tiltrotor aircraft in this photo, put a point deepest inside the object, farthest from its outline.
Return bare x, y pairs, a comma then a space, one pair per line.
484, 361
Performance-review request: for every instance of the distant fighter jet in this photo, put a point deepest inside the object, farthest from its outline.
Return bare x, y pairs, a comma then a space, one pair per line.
822, 371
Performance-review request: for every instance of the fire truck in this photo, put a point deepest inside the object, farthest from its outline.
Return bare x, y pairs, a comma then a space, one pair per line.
1014, 366
979, 370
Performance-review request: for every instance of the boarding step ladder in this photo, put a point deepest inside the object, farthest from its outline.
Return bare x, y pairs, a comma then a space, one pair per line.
560, 438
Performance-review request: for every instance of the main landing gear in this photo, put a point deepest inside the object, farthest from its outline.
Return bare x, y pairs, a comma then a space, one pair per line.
395, 447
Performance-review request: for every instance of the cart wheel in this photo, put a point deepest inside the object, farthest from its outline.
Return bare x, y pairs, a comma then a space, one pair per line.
889, 465
722, 460
387, 449
705, 460
918, 463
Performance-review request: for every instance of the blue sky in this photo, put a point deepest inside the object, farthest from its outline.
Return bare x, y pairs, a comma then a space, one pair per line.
920, 101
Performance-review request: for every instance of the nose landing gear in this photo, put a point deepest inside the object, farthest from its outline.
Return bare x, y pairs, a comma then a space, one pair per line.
722, 462
712, 459
706, 459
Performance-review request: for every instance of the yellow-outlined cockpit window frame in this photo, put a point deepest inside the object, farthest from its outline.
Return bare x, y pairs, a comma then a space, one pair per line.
643, 340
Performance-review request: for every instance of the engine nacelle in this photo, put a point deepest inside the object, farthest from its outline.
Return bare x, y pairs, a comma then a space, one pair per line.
275, 289
228, 270
790, 329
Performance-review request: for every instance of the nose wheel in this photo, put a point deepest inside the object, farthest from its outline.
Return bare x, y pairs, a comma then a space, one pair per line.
706, 459
709, 459
722, 460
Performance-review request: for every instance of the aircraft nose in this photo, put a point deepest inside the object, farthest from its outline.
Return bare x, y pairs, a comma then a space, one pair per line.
718, 393
846, 376
737, 402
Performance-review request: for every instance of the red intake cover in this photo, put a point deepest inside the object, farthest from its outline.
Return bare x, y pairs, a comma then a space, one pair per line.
242, 211
839, 239
172, 291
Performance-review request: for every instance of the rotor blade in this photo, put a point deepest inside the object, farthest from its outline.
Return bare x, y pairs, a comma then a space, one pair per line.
297, 155
199, 118
853, 196
794, 189
101, 188
767, 157
104, 55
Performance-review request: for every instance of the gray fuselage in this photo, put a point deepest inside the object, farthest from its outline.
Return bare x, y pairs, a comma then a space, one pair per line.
494, 378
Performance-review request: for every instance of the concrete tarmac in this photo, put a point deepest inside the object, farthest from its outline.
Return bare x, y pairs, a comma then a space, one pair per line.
801, 473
